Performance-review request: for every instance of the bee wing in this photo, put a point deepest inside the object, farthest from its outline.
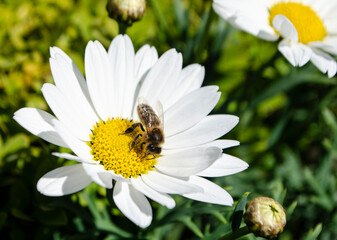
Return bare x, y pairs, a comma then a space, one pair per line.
160, 112
142, 100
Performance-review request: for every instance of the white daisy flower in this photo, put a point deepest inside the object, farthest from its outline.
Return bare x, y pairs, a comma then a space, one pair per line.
92, 116
308, 28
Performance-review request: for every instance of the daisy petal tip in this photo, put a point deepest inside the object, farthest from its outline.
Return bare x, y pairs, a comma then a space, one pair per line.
171, 204
171, 53
212, 192
43, 187
52, 52
98, 44
230, 202
144, 224
235, 143
332, 70
236, 120
216, 152
18, 113
89, 46
55, 123
331, 74
283, 25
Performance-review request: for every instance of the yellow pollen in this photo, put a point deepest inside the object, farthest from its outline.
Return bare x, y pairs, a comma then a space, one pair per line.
309, 26
112, 148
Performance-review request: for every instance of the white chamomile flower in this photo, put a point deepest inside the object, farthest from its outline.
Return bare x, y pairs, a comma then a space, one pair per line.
92, 117
308, 28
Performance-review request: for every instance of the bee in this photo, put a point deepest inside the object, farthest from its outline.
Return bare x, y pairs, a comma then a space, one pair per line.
152, 126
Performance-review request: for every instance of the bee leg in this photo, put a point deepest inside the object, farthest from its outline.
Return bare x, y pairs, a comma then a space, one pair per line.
133, 127
134, 141
147, 154
152, 156
142, 145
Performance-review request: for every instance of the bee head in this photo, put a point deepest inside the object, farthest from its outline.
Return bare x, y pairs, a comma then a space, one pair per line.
153, 149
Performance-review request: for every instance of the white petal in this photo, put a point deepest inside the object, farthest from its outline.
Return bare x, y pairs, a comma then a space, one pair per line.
79, 76
81, 149
122, 57
67, 156
190, 79
64, 180
67, 82
208, 129
248, 15
145, 58
226, 165
329, 45
303, 54
65, 111
132, 204
324, 62
98, 174
161, 198
99, 79
190, 109
38, 122
118, 177
328, 14
162, 78
212, 192
330, 24
188, 162
283, 25
296, 53
222, 144
166, 184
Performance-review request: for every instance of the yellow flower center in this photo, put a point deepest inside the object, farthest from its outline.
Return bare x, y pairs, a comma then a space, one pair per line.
112, 148
309, 26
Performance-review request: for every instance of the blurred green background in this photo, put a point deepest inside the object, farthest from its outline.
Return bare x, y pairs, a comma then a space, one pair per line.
287, 128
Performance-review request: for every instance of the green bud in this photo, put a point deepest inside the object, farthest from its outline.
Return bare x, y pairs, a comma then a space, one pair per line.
265, 217
126, 11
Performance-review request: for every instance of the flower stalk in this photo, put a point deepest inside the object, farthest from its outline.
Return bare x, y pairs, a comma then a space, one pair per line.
236, 234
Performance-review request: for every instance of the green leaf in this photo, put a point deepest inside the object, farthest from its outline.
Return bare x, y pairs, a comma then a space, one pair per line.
55, 217
182, 210
192, 226
101, 215
291, 209
313, 234
238, 211
322, 199
159, 15
329, 118
14, 144
288, 82
221, 231
18, 213
180, 14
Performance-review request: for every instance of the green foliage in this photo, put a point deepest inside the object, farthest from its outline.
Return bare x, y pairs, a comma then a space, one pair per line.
287, 129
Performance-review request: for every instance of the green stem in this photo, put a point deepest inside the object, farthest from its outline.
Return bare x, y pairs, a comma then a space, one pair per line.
159, 15
122, 27
236, 234
204, 34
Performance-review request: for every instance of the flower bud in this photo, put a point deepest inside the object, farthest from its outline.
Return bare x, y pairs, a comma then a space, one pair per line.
265, 217
126, 11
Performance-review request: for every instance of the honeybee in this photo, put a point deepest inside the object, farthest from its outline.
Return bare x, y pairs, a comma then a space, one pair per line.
153, 134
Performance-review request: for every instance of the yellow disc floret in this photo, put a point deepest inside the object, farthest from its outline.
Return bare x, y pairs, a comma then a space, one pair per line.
112, 148
309, 26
